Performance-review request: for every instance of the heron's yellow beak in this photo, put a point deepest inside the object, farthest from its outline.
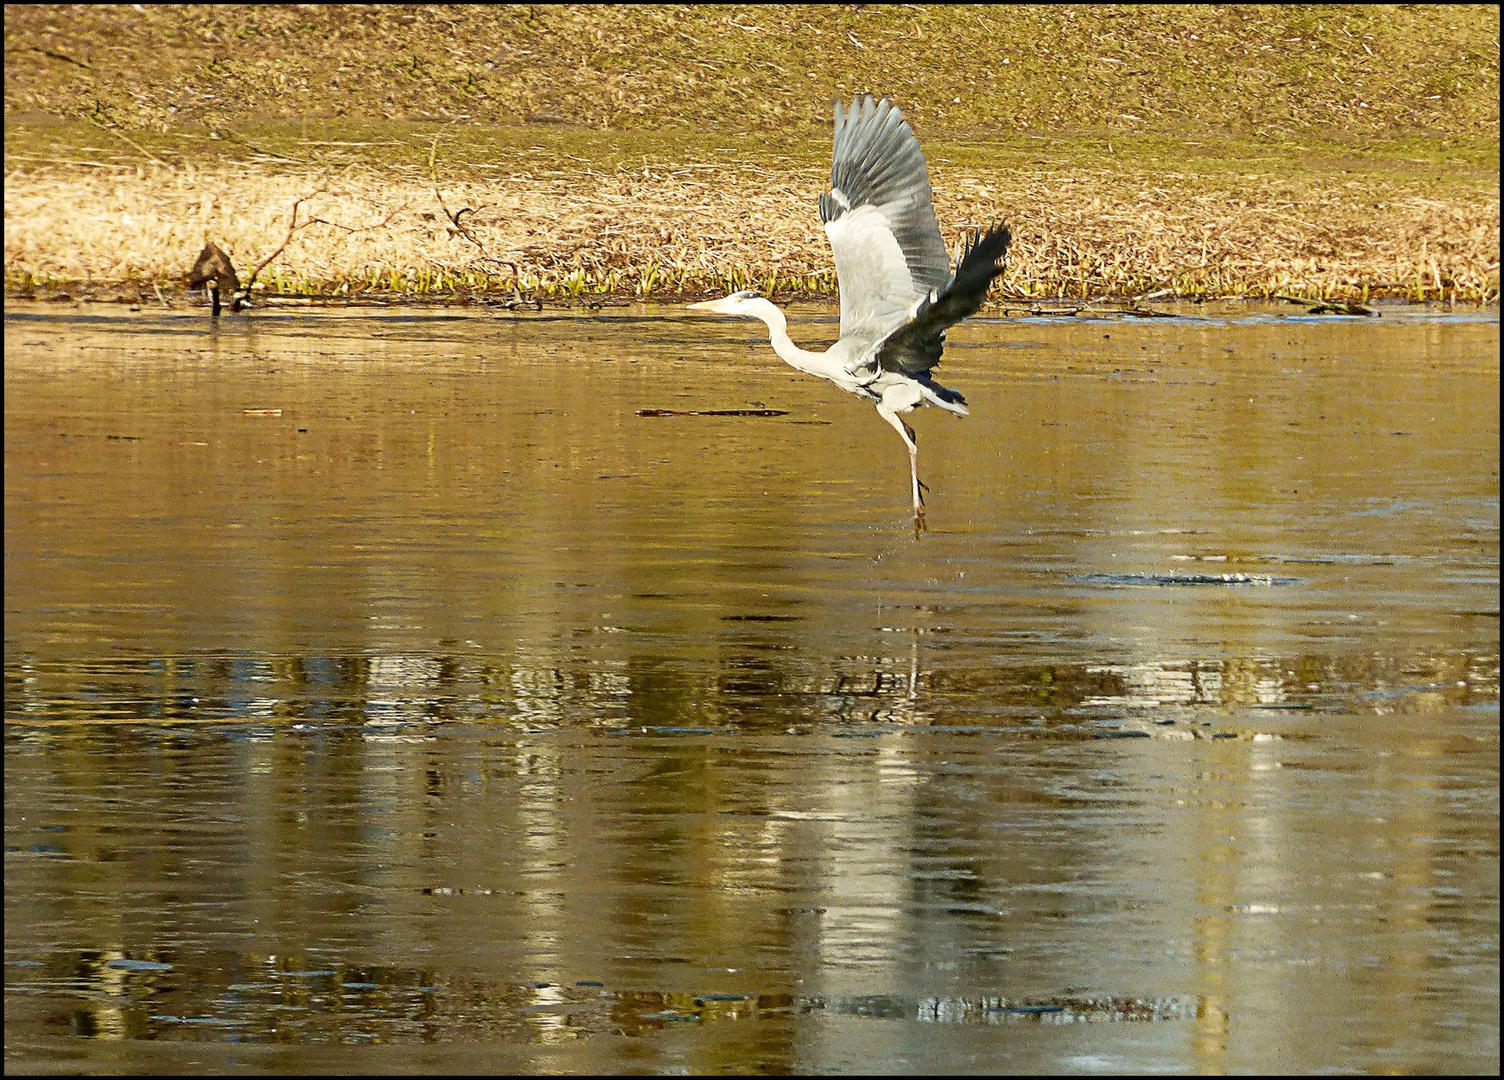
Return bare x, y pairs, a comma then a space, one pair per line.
709, 304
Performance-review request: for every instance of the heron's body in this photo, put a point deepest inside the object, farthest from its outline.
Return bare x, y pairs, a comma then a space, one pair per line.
899, 292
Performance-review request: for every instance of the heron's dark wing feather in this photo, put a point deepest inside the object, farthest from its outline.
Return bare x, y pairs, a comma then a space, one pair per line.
880, 217
915, 347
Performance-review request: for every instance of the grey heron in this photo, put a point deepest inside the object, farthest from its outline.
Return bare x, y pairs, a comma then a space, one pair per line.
899, 292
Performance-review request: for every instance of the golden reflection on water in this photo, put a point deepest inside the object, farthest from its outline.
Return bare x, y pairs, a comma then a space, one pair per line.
457, 703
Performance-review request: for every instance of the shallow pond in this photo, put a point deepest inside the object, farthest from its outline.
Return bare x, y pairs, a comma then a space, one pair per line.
384, 692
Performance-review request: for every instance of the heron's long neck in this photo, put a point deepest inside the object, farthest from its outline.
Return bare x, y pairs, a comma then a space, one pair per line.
783, 345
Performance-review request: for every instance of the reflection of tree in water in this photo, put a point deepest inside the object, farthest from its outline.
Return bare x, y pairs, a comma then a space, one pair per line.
753, 681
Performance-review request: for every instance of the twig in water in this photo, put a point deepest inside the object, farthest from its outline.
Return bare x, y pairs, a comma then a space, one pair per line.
1327, 307
1038, 310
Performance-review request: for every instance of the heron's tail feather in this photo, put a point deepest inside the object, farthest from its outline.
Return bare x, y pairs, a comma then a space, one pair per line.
943, 396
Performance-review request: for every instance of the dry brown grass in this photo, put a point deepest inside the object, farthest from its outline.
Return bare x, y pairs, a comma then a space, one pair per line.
695, 227
1345, 151
1358, 72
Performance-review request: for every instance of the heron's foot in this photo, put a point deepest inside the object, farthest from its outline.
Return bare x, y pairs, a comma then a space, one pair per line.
919, 523
923, 487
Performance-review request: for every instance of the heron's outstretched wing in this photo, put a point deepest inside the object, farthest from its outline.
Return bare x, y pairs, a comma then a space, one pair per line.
880, 218
914, 347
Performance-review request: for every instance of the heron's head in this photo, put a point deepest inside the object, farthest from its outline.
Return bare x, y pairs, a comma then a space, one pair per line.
745, 302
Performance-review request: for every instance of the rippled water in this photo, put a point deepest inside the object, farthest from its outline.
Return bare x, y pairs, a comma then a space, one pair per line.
384, 692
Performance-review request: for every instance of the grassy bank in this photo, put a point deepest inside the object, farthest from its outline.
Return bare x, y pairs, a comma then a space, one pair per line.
662, 152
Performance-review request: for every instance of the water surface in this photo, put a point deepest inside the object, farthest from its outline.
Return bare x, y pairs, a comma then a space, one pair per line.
384, 691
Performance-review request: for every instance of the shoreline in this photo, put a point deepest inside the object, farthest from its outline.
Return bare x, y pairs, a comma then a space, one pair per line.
680, 228
192, 302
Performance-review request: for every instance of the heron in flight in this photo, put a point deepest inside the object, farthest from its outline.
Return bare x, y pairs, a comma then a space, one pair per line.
899, 291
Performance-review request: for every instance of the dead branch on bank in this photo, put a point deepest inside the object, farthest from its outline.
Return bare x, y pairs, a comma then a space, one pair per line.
517, 300
292, 227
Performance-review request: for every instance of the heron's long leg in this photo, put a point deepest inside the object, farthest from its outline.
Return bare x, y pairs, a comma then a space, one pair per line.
907, 434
